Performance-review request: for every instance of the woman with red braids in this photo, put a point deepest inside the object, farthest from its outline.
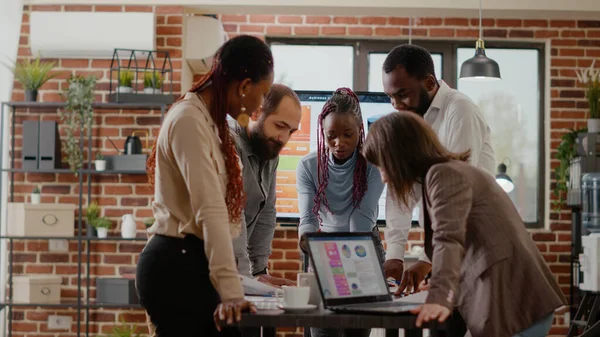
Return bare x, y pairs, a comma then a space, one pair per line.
338, 191
187, 278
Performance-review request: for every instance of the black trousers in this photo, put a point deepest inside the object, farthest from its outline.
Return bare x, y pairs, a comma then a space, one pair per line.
173, 285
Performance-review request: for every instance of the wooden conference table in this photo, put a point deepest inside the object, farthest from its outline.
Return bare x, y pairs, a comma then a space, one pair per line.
269, 320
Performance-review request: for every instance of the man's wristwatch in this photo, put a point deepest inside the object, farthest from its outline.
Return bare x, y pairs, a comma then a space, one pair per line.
262, 272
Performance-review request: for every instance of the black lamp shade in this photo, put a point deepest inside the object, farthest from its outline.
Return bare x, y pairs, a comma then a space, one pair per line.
480, 67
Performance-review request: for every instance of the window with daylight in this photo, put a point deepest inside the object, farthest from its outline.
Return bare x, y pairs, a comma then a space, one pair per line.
314, 67
513, 107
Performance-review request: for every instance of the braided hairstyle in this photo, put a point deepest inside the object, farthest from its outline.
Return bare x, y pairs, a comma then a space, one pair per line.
343, 101
239, 58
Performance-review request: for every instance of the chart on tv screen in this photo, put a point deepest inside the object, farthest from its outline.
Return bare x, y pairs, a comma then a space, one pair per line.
297, 147
304, 141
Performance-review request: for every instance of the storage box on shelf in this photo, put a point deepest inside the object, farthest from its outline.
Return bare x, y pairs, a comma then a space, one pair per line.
116, 291
46, 220
42, 289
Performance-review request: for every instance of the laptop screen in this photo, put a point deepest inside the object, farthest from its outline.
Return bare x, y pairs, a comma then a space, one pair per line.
347, 266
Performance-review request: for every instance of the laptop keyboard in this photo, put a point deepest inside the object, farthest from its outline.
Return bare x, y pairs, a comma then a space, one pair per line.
382, 305
359, 307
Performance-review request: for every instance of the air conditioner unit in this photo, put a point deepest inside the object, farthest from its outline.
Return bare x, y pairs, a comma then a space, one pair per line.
204, 35
90, 35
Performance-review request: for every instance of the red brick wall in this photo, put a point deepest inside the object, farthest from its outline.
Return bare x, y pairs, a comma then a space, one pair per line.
574, 44
116, 194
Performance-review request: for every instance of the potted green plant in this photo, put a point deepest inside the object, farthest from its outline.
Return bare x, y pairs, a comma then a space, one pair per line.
590, 78
36, 197
153, 82
100, 162
124, 330
32, 74
92, 212
566, 151
125, 81
148, 222
77, 117
102, 224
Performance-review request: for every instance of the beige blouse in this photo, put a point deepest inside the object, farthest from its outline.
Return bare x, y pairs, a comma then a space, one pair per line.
190, 188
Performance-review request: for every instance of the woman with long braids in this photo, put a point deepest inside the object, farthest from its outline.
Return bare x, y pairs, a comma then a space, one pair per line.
187, 278
338, 191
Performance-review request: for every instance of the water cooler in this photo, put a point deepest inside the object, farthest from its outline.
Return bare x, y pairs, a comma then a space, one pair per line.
586, 322
590, 244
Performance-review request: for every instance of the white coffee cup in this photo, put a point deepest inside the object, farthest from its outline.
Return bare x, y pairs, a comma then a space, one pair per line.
293, 296
310, 280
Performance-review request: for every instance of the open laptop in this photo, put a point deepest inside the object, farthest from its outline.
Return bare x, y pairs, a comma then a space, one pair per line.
350, 274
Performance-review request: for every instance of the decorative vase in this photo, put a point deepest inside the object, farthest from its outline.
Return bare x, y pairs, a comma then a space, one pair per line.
31, 95
36, 198
124, 90
102, 232
100, 165
150, 91
128, 227
593, 125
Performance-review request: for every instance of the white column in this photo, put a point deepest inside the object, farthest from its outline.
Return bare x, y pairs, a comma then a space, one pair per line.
11, 14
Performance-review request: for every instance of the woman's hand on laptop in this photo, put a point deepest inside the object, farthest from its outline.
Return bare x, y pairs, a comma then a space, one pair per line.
429, 312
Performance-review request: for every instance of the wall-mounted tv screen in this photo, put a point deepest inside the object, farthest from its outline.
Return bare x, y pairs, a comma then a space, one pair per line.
304, 141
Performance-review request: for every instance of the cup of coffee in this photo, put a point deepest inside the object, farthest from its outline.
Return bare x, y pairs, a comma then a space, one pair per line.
310, 280
293, 296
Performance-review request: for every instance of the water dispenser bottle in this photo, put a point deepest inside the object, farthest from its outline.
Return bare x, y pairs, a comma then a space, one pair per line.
590, 197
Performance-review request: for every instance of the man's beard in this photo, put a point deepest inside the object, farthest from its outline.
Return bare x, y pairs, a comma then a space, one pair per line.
424, 103
264, 148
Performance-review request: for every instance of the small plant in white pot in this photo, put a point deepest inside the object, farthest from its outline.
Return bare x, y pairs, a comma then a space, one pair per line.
125, 81
102, 225
590, 78
100, 162
36, 197
153, 82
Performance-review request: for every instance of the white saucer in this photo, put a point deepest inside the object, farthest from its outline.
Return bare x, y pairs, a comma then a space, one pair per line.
298, 308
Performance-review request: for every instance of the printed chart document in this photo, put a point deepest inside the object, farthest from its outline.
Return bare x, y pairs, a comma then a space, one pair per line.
255, 287
263, 303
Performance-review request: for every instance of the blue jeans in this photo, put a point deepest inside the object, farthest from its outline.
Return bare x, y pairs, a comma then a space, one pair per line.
539, 329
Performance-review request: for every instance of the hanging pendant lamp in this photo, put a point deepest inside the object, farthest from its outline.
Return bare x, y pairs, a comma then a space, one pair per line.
503, 179
480, 67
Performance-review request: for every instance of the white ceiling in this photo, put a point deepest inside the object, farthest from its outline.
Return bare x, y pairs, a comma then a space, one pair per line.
542, 9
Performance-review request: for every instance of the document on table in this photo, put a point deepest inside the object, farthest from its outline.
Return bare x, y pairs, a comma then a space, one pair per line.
419, 297
255, 287
263, 303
